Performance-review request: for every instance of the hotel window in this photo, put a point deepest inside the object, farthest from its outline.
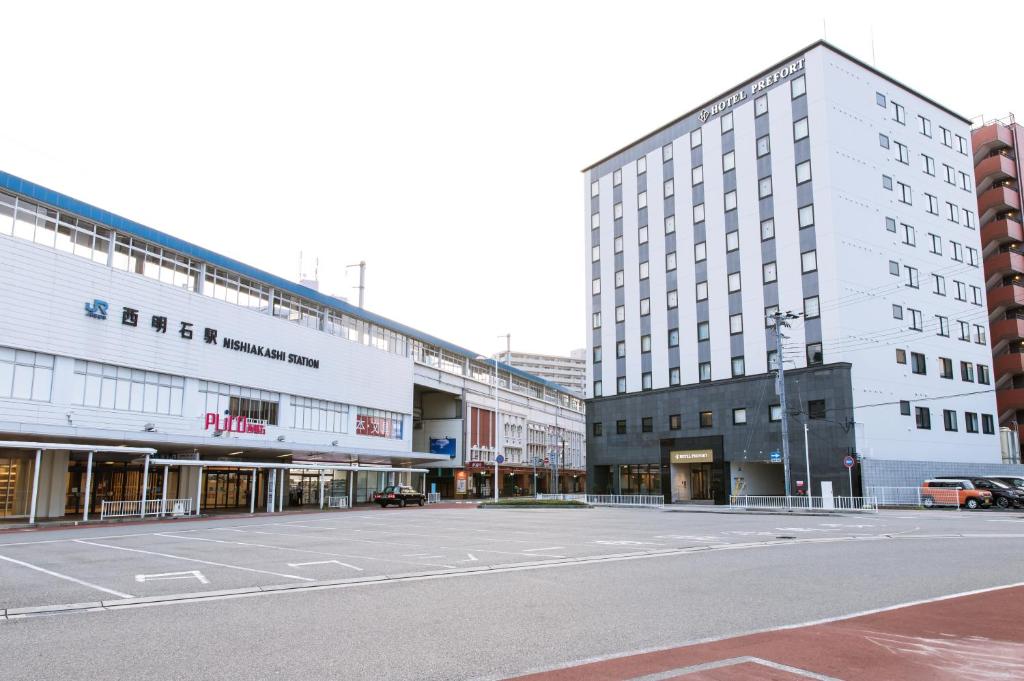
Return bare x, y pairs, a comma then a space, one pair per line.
918, 363
29, 375
901, 356
814, 354
976, 295
936, 244
972, 256
617, 211
808, 261
967, 372
950, 174
899, 114
595, 253
952, 212
672, 299
894, 268
797, 87
968, 219
734, 282
675, 422
641, 165
728, 161
886, 182
971, 419
883, 141
732, 241
670, 261
775, 413
764, 146
703, 331
620, 386
897, 311
596, 320
595, 286
965, 181
943, 325
641, 235
979, 334
904, 408
597, 354
320, 415
595, 220
933, 204
620, 277
595, 188
738, 367
945, 367
906, 194
949, 419
912, 277
729, 201
735, 324
726, 121
890, 225
928, 165
816, 409
965, 331
880, 99
739, 417
620, 426
620, 313
924, 126
769, 313
645, 307
772, 358
988, 424
764, 187
761, 105
698, 213
597, 429
767, 229
646, 424
800, 129
645, 270
641, 200
902, 153
670, 187
597, 389
697, 175
666, 153
218, 398
673, 338
695, 138
805, 216
645, 343
705, 419
812, 307
646, 383
769, 273
700, 251
947, 137
673, 376
670, 224
803, 172
704, 371
940, 284
915, 320
958, 251
961, 145
617, 244
616, 178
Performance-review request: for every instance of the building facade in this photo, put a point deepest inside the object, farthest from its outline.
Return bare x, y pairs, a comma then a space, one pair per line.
997, 171
569, 372
118, 334
820, 188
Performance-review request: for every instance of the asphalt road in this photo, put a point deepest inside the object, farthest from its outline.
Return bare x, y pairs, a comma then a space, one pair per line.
463, 593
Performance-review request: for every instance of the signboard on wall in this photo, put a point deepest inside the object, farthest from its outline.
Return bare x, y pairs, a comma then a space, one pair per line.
378, 426
691, 456
443, 445
460, 486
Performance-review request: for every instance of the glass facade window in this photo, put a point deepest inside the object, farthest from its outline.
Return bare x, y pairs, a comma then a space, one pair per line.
320, 415
25, 375
234, 400
379, 423
115, 387
644, 478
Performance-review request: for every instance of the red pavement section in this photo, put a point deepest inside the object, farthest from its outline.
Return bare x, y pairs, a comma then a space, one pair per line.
977, 636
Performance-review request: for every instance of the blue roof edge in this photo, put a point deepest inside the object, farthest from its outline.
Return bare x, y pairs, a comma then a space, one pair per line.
124, 225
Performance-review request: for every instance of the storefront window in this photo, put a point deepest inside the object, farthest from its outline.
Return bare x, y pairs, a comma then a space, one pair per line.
644, 478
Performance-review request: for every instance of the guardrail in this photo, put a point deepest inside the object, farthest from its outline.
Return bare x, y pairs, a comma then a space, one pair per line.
337, 502
783, 503
645, 500
916, 496
433, 497
154, 507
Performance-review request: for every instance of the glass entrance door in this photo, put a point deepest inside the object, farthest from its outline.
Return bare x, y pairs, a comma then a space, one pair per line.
700, 481
14, 475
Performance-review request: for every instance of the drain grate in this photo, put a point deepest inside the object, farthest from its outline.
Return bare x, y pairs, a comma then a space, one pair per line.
785, 537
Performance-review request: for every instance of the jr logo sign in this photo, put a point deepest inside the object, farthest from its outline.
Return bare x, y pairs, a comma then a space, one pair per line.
97, 309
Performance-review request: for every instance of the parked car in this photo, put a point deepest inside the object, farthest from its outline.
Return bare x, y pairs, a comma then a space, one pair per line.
400, 495
1012, 480
949, 491
1003, 494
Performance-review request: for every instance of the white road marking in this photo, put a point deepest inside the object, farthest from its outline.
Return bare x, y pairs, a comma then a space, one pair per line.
191, 560
546, 548
470, 559
326, 562
625, 542
30, 566
188, 574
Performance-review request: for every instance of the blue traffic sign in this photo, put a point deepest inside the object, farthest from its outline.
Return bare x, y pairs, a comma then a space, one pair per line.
848, 461
500, 458
775, 457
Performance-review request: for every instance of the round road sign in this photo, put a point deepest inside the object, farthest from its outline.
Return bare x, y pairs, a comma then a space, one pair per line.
500, 459
848, 461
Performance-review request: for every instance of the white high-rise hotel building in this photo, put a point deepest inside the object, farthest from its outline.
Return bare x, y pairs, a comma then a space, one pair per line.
821, 187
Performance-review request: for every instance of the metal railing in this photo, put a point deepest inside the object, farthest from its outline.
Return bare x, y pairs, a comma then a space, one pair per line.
916, 497
784, 503
154, 507
433, 497
646, 500
337, 502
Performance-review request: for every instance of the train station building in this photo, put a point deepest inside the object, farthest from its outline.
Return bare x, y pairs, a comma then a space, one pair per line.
225, 387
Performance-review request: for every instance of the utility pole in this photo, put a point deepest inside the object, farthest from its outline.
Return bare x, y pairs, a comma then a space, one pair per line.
807, 461
781, 320
362, 279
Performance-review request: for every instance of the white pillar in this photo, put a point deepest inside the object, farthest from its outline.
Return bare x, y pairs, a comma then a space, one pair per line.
351, 489
88, 487
280, 486
163, 494
145, 487
199, 487
252, 493
35, 486
271, 489
321, 489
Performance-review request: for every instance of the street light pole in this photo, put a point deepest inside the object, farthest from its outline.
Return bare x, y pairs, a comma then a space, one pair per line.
496, 449
781, 321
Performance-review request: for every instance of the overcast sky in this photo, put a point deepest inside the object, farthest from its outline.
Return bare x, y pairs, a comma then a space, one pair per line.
440, 142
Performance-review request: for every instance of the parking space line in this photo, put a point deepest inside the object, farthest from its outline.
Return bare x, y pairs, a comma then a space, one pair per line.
192, 560
66, 577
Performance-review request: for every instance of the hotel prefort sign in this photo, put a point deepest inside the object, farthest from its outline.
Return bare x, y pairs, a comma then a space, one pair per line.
755, 87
